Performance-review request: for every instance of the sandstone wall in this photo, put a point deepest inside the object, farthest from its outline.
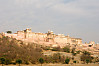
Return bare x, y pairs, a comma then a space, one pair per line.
60, 39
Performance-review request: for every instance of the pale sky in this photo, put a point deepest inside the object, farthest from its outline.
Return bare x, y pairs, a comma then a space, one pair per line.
77, 18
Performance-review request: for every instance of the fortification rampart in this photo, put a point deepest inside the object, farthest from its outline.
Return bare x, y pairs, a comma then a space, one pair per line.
50, 38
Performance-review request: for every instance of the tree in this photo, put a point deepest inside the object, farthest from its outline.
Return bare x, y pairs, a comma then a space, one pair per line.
74, 61
2, 60
87, 61
41, 60
19, 61
66, 49
9, 32
67, 60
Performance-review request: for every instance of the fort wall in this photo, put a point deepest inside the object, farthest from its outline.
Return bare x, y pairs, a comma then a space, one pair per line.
50, 37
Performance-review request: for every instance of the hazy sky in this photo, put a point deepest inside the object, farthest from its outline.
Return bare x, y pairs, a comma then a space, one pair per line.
77, 18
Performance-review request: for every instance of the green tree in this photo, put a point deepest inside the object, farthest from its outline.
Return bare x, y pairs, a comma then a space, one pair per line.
9, 32
19, 61
87, 61
74, 61
41, 60
2, 60
67, 60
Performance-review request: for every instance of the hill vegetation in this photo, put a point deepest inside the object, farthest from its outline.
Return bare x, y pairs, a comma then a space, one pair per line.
14, 51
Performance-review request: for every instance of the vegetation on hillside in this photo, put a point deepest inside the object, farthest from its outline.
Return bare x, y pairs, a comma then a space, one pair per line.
14, 51
86, 57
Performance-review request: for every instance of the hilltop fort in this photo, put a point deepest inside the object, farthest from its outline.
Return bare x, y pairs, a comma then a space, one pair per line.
52, 40
49, 38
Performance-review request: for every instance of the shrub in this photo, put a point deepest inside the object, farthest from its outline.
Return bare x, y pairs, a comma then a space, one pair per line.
19, 61
14, 63
41, 60
78, 52
72, 58
66, 49
97, 60
84, 57
67, 60
74, 61
87, 61
85, 53
56, 49
2, 60
9, 31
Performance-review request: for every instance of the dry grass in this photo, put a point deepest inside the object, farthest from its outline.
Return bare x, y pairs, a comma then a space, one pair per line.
92, 64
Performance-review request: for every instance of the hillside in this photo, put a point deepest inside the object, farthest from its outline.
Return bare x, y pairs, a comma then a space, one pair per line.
14, 49
30, 53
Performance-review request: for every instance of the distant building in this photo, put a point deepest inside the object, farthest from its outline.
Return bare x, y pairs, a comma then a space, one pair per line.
50, 37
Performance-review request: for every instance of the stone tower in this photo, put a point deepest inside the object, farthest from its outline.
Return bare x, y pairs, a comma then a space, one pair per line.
27, 33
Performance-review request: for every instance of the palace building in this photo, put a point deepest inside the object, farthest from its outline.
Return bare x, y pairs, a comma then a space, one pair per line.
45, 38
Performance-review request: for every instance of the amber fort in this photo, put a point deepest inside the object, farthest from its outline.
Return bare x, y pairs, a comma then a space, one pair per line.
48, 39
